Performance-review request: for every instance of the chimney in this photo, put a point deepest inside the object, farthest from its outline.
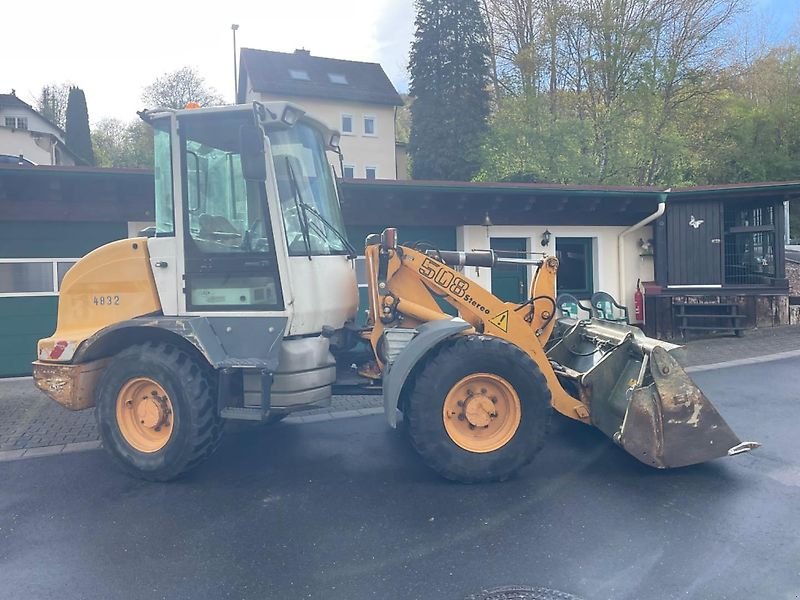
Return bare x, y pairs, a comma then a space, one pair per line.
302, 52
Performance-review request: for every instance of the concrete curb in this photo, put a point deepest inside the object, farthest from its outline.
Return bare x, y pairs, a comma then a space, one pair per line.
342, 414
12, 455
740, 362
9, 455
23, 378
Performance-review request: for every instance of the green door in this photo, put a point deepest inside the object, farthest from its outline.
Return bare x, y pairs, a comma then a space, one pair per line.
510, 282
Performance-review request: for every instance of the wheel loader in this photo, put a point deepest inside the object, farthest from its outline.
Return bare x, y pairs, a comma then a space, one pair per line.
240, 304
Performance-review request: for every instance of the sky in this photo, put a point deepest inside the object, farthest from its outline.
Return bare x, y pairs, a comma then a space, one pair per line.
778, 18
113, 49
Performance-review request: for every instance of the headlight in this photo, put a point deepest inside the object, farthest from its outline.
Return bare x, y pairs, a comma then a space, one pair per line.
291, 115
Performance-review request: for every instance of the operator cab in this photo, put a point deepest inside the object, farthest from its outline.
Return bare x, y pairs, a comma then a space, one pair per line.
257, 227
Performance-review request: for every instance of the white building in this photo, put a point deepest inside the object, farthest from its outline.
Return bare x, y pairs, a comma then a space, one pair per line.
355, 98
27, 134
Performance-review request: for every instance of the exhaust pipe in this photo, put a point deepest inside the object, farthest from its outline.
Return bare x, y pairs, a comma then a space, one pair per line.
641, 397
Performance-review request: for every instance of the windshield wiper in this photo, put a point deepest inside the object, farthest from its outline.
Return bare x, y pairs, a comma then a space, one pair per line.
300, 207
347, 245
298, 199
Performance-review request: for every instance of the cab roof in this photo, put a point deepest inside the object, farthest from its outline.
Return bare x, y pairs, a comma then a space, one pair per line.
272, 108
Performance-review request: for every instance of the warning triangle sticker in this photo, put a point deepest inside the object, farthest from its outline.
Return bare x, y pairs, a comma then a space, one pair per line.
500, 321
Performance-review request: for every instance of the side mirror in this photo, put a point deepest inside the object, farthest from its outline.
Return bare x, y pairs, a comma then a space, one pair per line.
251, 148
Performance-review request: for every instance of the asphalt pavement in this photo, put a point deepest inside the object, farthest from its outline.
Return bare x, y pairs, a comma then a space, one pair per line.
345, 509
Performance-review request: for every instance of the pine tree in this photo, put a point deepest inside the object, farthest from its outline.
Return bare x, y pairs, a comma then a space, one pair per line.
78, 138
449, 83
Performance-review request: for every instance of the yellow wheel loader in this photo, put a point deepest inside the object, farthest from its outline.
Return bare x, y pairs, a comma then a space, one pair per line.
239, 301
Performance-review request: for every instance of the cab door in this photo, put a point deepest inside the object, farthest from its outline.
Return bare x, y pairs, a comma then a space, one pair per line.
230, 261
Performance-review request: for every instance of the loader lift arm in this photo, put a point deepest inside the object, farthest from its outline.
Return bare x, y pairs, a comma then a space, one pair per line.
413, 277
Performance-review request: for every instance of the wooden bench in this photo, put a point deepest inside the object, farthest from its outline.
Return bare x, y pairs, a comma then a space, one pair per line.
708, 317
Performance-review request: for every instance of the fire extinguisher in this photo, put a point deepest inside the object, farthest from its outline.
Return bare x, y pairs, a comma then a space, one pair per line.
638, 302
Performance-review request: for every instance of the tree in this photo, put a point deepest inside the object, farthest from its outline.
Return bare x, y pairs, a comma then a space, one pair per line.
52, 103
403, 119
449, 83
78, 138
178, 88
119, 144
525, 145
626, 81
754, 133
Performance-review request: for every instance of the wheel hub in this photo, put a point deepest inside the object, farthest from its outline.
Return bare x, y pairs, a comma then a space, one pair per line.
481, 412
150, 413
144, 414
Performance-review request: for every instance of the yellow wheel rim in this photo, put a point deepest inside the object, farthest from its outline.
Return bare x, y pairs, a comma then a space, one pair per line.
481, 412
144, 414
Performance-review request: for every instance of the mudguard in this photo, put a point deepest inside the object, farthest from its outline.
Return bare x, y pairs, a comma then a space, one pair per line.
226, 342
428, 335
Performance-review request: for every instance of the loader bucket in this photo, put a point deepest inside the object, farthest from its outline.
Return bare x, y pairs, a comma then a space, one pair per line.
640, 396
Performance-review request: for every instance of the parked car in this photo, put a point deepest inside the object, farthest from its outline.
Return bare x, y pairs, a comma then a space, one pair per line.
10, 159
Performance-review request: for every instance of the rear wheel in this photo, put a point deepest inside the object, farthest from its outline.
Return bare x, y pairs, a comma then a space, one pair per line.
156, 411
478, 410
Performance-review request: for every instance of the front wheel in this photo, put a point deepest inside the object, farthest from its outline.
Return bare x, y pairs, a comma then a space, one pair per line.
478, 410
156, 411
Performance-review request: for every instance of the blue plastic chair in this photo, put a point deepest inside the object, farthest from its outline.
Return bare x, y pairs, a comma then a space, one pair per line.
569, 306
605, 307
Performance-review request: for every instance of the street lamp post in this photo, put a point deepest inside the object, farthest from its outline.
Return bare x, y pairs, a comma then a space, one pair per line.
234, 28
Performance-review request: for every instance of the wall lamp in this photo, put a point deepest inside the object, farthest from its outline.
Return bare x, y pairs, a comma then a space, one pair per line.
546, 237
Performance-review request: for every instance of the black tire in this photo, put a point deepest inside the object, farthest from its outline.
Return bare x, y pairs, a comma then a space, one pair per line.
191, 387
446, 366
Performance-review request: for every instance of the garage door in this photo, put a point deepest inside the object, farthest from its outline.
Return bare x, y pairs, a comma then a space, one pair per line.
30, 277
23, 321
